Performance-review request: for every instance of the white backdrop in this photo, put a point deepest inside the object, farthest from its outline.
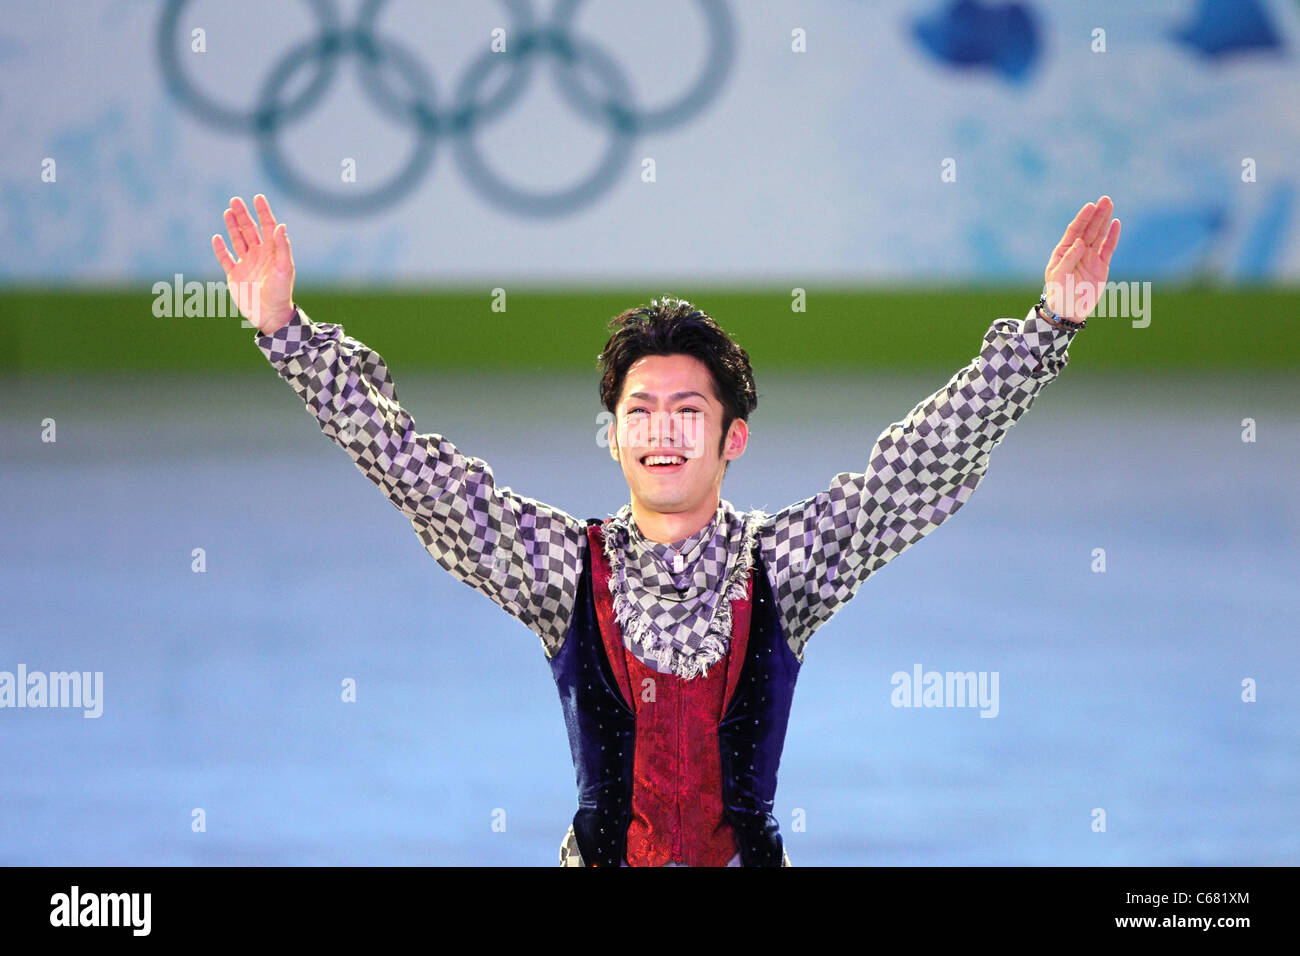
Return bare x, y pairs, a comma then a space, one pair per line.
816, 165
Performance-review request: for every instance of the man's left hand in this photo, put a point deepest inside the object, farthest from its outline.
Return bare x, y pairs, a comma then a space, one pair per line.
1077, 271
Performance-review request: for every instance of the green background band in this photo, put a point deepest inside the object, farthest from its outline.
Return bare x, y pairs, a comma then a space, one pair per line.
1243, 329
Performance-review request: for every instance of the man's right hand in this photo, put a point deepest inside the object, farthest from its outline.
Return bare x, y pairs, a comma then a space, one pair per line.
262, 279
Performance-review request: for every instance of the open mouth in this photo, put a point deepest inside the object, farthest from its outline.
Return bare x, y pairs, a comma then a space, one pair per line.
663, 464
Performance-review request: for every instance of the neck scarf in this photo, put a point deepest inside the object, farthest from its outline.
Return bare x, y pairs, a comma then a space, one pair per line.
679, 621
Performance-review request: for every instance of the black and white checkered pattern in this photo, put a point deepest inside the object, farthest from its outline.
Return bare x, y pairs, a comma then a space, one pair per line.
527, 556
921, 470
521, 553
679, 621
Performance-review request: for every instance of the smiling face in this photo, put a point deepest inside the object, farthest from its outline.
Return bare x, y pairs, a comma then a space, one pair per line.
668, 408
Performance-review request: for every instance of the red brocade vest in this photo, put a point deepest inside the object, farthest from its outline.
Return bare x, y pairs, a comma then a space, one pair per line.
677, 808
669, 769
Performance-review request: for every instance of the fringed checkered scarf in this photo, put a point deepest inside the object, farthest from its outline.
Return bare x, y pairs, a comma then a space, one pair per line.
679, 622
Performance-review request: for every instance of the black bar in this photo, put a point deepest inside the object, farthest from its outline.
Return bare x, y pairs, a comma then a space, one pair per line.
330, 905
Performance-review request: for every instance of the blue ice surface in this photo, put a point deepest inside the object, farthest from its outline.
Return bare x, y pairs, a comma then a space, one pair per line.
1118, 691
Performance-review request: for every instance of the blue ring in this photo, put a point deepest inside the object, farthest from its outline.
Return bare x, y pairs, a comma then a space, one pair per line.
426, 113
706, 86
352, 202
497, 191
225, 117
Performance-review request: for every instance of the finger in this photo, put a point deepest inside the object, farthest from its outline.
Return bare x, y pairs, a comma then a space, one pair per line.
265, 218
247, 228
1098, 223
236, 236
280, 246
1072, 257
1112, 239
223, 254
1072, 232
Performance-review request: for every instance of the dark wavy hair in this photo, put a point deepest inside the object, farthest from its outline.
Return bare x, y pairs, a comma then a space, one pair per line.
672, 326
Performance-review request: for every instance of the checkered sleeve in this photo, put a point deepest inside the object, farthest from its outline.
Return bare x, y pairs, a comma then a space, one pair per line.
524, 555
920, 471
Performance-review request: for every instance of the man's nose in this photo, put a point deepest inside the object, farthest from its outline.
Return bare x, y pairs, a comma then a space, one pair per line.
658, 428
661, 429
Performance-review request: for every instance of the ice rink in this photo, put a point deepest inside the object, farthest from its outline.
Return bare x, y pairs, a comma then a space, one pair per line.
1119, 690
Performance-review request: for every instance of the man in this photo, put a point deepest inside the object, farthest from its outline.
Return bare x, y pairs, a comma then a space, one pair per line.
674, 629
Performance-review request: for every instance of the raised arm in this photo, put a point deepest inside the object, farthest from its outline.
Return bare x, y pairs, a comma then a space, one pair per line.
524, 555
921, 470
925, 466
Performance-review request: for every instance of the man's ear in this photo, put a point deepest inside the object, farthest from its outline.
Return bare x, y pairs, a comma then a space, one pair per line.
737, 439
613, 441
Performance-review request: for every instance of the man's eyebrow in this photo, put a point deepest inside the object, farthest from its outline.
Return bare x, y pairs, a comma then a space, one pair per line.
672, 398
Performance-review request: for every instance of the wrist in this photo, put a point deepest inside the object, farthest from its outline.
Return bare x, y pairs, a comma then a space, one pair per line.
1044, 312
280, 321
1043, 315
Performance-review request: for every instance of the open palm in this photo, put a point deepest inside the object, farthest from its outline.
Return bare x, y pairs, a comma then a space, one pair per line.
1081, 261
261, 279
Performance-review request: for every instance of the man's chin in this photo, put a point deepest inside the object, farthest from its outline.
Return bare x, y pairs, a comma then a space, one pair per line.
663, 504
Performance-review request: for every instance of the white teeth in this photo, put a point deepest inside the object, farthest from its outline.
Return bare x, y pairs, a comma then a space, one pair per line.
665, 460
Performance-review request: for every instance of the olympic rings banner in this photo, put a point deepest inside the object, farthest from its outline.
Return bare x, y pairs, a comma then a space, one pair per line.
716, 140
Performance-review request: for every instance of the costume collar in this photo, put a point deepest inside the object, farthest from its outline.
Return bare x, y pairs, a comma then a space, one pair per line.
679, 622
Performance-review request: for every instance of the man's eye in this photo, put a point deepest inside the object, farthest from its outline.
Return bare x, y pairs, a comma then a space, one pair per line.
642, 411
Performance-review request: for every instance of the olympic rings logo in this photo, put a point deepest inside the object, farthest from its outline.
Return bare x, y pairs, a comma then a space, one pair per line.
468, 111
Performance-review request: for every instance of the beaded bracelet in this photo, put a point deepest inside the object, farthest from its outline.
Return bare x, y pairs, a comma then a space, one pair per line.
1045, 313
